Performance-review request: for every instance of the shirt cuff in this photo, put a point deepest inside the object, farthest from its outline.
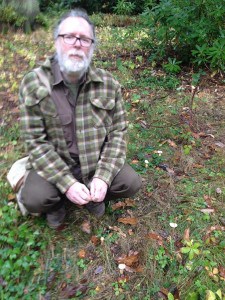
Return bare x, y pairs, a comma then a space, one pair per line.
65, 183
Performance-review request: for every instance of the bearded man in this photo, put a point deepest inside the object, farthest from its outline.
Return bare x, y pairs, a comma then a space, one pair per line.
74, 124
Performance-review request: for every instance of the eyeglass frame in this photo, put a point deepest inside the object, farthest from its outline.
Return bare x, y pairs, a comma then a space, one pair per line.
80, 39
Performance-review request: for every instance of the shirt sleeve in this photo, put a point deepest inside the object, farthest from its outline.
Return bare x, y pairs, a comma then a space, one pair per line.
113, 154
42, 154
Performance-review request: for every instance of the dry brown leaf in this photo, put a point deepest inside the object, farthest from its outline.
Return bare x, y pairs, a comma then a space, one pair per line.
95, 240
131, 221
186, 236
82, 253
222, 272
130, 202
135, 161
198, 166
86, 226
70, 291
130, 260
203, 134
118, 205
172, 143
155, 236
123, 278
11, 197
117, 229
208, 200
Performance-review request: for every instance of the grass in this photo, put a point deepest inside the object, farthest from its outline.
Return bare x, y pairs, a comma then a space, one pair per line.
179, 153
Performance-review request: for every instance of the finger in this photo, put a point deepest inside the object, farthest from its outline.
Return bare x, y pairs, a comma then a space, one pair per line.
85, 195
92, 189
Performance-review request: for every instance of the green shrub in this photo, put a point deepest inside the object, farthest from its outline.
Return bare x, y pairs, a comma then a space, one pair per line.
19, 253
9, 18
124, 7
190, 31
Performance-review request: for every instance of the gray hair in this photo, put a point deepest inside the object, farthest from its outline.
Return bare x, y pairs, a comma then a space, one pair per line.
77, 12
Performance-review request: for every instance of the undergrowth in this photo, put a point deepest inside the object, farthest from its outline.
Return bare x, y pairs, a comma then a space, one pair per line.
171, 238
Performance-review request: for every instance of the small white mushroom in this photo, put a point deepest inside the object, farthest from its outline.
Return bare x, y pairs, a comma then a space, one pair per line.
121, 268
173, 225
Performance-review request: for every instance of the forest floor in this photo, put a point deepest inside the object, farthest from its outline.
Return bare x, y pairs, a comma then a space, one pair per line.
171, 237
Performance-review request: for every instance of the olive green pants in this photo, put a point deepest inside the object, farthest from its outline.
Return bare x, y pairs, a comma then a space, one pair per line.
40, 196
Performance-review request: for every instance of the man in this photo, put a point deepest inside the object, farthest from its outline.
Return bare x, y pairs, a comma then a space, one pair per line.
74, 124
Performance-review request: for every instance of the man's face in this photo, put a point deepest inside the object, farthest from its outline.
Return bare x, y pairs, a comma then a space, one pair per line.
74, 58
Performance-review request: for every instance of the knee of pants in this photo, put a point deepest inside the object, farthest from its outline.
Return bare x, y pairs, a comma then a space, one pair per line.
38, 195
126, 183
134, 184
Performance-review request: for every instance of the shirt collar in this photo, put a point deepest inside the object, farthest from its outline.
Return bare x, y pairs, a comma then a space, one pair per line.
57, 75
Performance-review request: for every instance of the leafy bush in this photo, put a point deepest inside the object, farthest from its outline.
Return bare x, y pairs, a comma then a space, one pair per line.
190, 31
124, 7
18, 255
9, 17
19, 14
90, 6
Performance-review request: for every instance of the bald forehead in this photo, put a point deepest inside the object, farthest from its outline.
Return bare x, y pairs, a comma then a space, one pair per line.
76, 25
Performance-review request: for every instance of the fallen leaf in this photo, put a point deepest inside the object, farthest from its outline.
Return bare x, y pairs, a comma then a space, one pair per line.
71, 291
130, 202
210, 295
198, 166
131, 221
122, 278
135, 161
11, 197
186, 236
203, 134
155, 236
82, 253
208, 200
86, 226
95, 240
118, 205
172, 143
117, 229
222, 272
129, 260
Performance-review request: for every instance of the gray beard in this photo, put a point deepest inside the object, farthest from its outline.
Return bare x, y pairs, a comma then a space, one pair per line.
72, 67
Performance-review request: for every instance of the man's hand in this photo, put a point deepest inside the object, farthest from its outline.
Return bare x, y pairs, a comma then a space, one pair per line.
78, 193
98, 189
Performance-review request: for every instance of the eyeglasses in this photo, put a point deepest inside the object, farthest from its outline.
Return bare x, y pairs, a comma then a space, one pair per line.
71, 40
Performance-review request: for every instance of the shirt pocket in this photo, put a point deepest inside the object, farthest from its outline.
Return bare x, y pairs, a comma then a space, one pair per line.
67, 126
102, 111
41, 98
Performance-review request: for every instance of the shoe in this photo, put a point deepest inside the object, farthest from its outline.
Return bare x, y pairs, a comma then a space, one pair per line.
96, 208
55, 218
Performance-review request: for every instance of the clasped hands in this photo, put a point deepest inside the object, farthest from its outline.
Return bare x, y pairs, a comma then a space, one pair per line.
79, 194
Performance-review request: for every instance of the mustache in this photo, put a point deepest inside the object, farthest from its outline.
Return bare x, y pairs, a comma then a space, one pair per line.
76, 52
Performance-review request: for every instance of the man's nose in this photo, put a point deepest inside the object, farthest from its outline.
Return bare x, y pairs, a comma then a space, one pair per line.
77, 43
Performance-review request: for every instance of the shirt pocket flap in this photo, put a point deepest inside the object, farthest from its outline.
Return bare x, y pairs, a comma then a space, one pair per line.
36, 96
103, 103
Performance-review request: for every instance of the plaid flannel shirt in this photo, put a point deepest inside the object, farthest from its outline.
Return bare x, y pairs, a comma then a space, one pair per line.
100, 129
